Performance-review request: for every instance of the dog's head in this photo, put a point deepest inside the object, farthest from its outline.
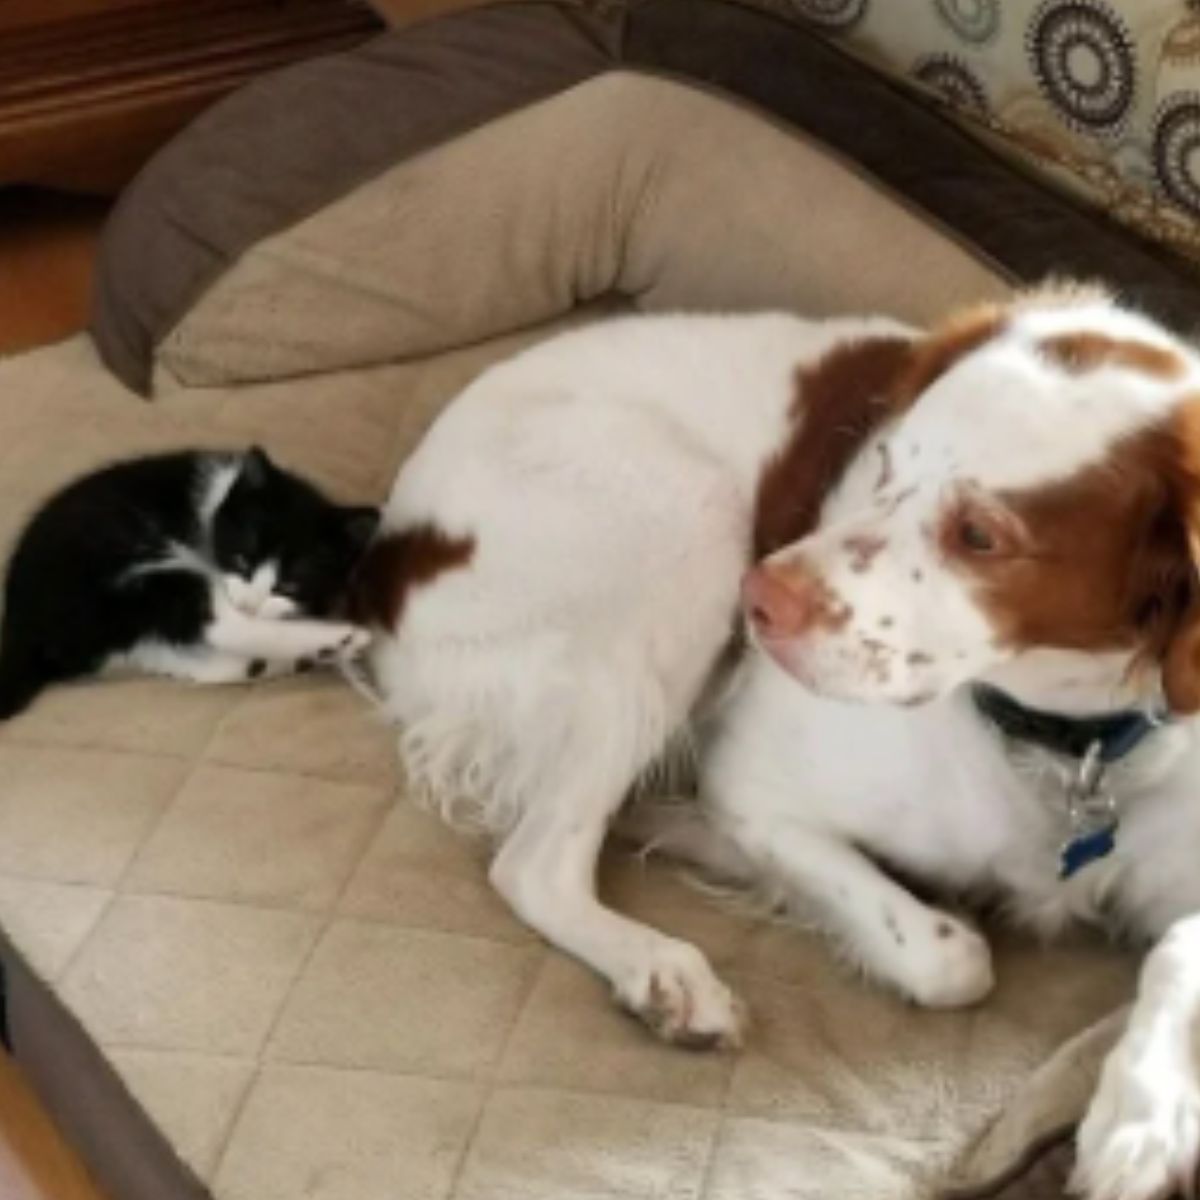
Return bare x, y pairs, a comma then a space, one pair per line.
1026, 510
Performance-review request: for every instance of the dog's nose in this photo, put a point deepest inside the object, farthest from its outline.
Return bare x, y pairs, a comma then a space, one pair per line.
776, 607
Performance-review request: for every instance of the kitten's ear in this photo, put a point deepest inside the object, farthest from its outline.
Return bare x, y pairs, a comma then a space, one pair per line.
256, 466
360, 524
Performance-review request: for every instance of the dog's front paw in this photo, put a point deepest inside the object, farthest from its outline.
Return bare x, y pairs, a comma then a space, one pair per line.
1140, 1139
949, 965
682, 1000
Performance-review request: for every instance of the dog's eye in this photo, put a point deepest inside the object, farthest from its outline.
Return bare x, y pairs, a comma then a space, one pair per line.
974, 536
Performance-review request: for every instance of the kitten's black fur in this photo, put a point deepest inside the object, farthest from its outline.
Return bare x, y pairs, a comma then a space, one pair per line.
78, 590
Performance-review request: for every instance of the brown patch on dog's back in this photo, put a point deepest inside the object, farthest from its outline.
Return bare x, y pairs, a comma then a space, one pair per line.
395, 564
1079, 353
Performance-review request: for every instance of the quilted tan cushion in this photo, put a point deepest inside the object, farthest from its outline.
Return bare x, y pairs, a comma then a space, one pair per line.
626, 183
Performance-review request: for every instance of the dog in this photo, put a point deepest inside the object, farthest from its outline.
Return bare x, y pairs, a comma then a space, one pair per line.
972, 550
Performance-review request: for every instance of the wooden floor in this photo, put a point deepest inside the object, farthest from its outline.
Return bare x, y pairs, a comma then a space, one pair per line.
35, 1163
47, 246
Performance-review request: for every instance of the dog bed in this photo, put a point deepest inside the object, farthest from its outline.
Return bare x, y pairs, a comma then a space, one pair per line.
238, 962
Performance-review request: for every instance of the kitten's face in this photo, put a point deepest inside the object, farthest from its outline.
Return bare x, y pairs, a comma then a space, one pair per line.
282, 548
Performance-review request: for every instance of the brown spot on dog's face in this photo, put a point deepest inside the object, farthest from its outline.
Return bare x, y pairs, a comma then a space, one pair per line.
840, 401
886, 471
877, 662
395, 564
1081, 352
863, 550
918, 658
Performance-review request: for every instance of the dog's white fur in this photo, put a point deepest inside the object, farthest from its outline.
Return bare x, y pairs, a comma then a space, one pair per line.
607, 481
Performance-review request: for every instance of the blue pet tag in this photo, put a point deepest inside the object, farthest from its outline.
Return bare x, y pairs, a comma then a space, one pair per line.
1092, 813
1085, 849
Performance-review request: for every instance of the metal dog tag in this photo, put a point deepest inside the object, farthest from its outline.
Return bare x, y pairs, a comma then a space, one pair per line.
1091, 814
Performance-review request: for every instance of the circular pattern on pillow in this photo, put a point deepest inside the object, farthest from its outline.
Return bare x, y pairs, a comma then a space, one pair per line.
1082, 54
973, 20
832, 14
1177, 150
954, 80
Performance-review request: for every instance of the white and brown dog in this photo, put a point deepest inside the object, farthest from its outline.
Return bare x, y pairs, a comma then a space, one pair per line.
990, 531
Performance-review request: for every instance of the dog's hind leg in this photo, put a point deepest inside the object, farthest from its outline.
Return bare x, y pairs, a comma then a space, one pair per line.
546, 869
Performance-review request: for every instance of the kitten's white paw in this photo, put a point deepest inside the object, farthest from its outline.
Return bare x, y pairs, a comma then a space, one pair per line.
1140, 1139
345, 642
947, 964
355, 643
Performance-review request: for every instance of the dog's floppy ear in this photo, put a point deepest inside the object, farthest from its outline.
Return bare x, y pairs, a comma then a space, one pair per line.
1181, 658
1181, 666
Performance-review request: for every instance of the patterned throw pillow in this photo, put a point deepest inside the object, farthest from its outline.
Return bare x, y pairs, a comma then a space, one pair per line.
1102, 96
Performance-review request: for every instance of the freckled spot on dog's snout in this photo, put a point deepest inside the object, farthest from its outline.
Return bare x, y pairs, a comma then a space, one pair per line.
879, 659
900, 498
863, 549
918, 658
945, 930
886, 622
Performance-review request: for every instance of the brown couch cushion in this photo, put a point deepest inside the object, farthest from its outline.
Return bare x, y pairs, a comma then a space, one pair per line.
269, 159
291, 142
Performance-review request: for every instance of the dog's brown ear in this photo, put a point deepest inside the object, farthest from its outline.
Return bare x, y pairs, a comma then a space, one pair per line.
1181, 658
1181, 666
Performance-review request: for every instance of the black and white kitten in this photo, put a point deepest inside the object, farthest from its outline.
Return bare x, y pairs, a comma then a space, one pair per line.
206, 566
